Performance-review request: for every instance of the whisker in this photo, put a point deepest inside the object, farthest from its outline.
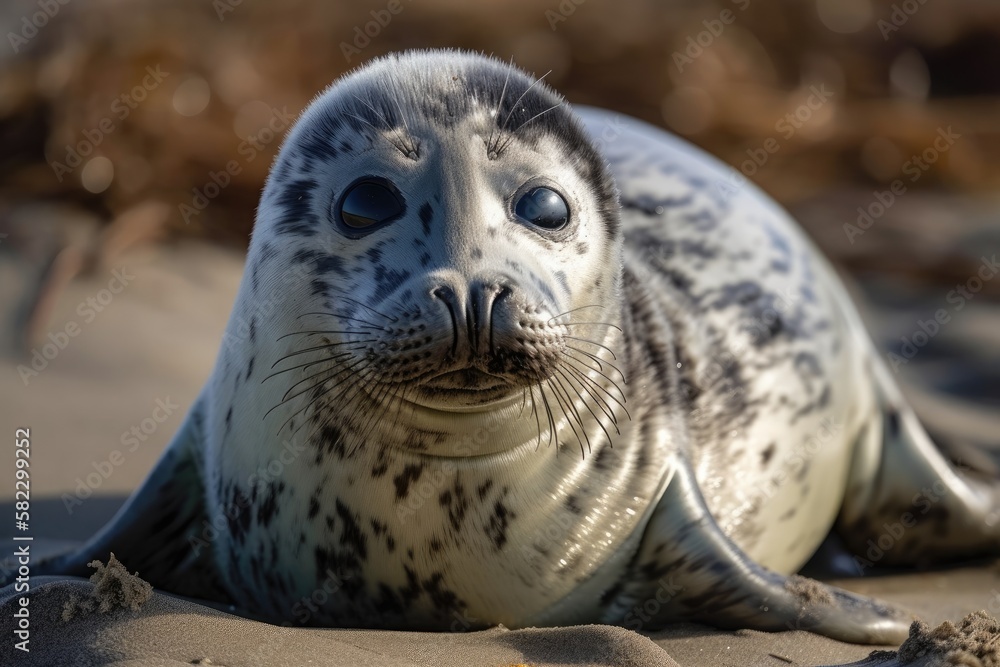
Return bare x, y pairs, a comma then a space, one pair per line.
358, 390
366, 323
601, 403
552, 423
601, 373
402, 147
491, 147
287, 398
569, 381
576, 414
599, 387
538, 423
307, 364
600, 362
587, 340
604, 324
322, 347
325, 371
364, 305
361, 375
518, 101
510, 138
328, 331
593, 305
413, 146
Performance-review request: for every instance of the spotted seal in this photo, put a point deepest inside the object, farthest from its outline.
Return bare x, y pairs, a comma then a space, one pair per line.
499, 360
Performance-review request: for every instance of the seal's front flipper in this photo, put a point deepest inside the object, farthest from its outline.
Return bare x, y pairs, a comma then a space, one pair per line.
905, 503
687, 569
156, 533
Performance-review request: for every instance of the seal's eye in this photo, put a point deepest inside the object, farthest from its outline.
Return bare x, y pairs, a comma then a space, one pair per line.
543, 207
369, 203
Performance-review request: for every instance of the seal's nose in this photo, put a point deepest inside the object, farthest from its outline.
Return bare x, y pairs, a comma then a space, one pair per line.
472, 308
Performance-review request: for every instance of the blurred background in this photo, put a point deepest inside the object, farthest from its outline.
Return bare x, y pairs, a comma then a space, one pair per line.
876, 123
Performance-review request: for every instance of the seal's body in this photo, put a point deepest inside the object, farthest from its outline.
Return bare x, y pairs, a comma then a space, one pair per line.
492, 363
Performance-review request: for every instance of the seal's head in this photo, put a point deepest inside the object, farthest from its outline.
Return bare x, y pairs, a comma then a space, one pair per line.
460, 239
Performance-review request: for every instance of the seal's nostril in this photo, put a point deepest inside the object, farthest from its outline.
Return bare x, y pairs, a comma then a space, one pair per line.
446, 294
502, 294
450, 299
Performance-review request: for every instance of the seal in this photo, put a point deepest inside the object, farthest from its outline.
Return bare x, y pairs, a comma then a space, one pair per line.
497, 360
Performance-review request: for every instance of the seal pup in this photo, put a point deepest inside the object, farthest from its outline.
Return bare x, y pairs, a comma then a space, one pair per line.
495, 360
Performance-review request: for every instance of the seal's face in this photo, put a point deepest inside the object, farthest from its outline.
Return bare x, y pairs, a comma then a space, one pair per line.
461, 236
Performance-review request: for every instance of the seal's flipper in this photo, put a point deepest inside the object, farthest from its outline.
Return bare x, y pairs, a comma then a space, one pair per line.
687, 569
905, 503
156, 532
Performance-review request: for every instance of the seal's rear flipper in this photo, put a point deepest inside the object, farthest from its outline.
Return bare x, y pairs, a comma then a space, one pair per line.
158, 532
905, 503
687, 569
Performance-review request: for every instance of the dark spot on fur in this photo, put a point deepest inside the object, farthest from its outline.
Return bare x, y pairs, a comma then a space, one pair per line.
351, 535
765, 456
426, 213
499, 521
295, 199
456, 503
269, 507
892, 424
402, 481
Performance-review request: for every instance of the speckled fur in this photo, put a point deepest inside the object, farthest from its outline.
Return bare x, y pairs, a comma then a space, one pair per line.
353, 495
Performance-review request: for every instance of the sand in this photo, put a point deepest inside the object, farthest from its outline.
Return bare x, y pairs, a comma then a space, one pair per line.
157, 341
114, 588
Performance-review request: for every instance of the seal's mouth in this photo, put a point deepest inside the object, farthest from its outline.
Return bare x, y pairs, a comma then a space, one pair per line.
466, 379
465, 386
